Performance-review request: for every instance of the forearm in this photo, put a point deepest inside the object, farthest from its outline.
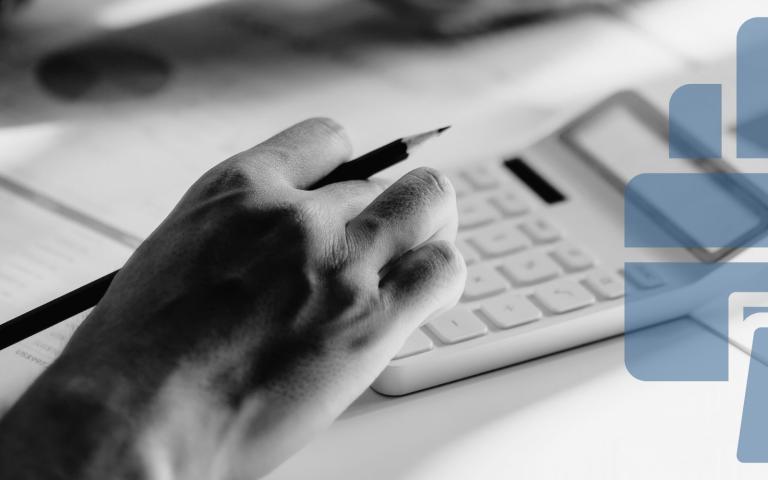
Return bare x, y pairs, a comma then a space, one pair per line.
94, 419
91, 412
71, 425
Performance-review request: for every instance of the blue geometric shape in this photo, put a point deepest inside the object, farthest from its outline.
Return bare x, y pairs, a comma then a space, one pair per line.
695, 122
706, 213
752, 310
752, 89
696, 210
699, 291
677, 351
753, 439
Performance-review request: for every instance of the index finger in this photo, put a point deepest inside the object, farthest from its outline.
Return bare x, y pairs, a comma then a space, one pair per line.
303, 153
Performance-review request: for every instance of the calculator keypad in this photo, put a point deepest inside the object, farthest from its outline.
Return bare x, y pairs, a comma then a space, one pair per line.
509, 204
482, 177
510, 310
522, 269
470, 254
457, 325
417, 343
498, 240
572, 258
606, 284
474, 213
482, 282
540, 230
529, 269
563, 296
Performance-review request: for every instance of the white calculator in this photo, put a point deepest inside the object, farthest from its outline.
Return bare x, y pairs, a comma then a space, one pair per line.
542, 232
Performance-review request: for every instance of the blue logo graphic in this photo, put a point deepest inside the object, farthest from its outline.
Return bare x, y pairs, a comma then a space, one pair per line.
697, 222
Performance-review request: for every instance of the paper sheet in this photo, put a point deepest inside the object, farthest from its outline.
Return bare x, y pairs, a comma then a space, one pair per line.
22, 363
42, 256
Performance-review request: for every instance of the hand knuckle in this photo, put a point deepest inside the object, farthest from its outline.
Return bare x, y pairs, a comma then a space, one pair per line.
329, 123
367, 227
303, 210
227, 176
444, 269
358, 239
351, 285
445, 255
300, 218
334, 130
442, 263
354, 298
433, 181
351, 294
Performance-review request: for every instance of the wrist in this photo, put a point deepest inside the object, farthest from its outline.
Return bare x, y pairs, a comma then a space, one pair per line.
99, 422
66, 426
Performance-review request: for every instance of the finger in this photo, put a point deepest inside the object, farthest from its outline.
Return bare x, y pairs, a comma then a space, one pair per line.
414, 209
424, 281
347, 199
303, 153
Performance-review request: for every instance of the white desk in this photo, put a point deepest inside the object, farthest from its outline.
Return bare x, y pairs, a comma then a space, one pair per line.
575, 415
578, 414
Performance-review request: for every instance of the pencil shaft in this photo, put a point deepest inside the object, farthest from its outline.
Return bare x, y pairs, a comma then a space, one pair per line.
366, 165
55, 311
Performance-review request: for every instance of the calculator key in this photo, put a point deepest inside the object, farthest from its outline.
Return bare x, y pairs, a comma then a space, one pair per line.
417, 343
564, 296
572, 258
529, 269
510, 310
540, 230
460, 186
644, 277
482, 178
457, 325
482, 282
499, 239
470, 254
509, 204
474, 213
606, 284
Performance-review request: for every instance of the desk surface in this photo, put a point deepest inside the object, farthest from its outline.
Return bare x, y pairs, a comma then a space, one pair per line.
574, 415
578, 414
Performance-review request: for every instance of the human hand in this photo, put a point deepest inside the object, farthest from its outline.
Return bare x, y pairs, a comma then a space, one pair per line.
251, 318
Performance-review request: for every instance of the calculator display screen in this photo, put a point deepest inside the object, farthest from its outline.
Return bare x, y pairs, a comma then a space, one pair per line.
625, 146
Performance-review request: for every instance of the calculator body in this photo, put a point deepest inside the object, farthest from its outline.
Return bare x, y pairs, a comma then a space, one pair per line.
572, 182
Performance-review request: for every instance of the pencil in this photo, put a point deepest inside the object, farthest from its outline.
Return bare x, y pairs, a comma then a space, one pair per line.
377, 160
87, 296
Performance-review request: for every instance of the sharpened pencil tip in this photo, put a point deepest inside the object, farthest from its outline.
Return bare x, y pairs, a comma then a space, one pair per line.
416, 140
